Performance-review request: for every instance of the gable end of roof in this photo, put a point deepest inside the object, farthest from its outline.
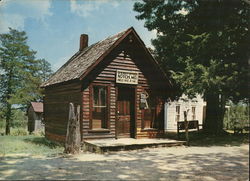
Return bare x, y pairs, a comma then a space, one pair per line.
82, 61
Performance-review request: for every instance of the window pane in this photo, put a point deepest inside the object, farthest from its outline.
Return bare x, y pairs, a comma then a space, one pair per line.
99, 113
95, 92
177, 113
177, 109
193, 113
102, 95
99, 93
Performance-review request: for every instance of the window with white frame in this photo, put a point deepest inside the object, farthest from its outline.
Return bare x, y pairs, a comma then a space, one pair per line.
193, 113
177, 113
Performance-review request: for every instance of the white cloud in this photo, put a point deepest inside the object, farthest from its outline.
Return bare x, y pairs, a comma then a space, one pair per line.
15, 17
37, 9
11, 20
85, 8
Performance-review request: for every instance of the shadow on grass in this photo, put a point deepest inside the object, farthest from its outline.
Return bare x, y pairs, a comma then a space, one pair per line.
204, 139
42, 141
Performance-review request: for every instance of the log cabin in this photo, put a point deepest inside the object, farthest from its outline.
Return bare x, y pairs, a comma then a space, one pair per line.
119, 86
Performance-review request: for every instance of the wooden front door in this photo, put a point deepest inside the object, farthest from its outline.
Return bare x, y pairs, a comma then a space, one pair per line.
125, 112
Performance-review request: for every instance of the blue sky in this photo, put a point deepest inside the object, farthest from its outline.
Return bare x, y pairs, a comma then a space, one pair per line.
54, 26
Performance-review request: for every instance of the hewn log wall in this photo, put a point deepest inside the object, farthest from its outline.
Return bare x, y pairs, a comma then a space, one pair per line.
56, 109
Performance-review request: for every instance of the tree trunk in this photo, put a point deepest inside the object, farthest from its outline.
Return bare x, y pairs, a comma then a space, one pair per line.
8, 113
73, 138
8, 119
215, 110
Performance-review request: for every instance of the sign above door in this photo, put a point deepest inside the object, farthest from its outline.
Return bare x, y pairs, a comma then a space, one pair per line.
127, 77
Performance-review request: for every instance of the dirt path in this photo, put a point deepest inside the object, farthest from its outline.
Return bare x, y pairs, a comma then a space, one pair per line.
176, 163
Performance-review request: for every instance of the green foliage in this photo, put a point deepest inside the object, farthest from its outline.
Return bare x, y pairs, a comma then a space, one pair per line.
204, 47
237, 115
19, 123
203, 43
45, 70
20, 74
2, 121
19, 132
19, 119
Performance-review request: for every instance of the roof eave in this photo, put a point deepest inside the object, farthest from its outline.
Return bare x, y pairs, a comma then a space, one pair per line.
60, 83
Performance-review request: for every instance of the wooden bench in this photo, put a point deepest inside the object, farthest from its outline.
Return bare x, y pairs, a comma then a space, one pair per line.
193, 124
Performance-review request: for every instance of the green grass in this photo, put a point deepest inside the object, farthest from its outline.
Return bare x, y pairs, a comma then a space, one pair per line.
30, 144
39, 145
226, 139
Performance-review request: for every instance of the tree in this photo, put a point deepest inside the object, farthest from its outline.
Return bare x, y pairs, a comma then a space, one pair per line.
20, 75
204, 47
45, 70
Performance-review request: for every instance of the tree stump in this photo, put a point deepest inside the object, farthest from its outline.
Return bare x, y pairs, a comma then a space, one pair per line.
73, 138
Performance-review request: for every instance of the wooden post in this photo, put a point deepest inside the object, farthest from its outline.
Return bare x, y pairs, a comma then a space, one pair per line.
178, 130
73, 138
186, 127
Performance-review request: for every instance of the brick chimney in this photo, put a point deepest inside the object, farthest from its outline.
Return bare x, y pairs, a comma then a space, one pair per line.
83, 41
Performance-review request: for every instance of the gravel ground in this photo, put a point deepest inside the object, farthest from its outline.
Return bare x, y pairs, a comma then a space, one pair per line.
175, 163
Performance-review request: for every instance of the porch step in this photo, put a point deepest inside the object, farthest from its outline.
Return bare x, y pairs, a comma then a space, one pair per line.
106, 145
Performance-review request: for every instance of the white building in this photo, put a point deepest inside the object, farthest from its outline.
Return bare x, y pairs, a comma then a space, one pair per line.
174, 111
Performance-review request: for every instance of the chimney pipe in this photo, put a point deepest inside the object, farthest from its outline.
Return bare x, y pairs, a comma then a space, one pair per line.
83, 41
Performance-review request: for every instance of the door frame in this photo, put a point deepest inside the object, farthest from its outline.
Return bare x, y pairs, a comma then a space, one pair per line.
133, 130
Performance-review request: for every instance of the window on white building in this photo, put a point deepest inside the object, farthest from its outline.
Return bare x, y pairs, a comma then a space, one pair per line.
177, 113
193, 113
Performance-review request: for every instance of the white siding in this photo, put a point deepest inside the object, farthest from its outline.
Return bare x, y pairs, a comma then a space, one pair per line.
170, 111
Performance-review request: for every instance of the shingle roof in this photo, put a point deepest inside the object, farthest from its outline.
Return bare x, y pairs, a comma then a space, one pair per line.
78, 64
37, 106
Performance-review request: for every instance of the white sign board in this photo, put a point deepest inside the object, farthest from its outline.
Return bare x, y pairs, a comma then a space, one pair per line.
126, 77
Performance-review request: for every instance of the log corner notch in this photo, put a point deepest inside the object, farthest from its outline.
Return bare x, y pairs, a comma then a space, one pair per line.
73, 138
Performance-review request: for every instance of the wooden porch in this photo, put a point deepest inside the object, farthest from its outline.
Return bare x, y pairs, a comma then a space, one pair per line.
106, 145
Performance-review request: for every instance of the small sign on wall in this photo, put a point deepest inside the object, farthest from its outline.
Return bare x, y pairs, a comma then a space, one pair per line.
126, 77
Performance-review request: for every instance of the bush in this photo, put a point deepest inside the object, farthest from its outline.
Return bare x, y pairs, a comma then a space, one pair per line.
39, 132
18, 132
2, 123
19, 119
18, 123
236, 115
